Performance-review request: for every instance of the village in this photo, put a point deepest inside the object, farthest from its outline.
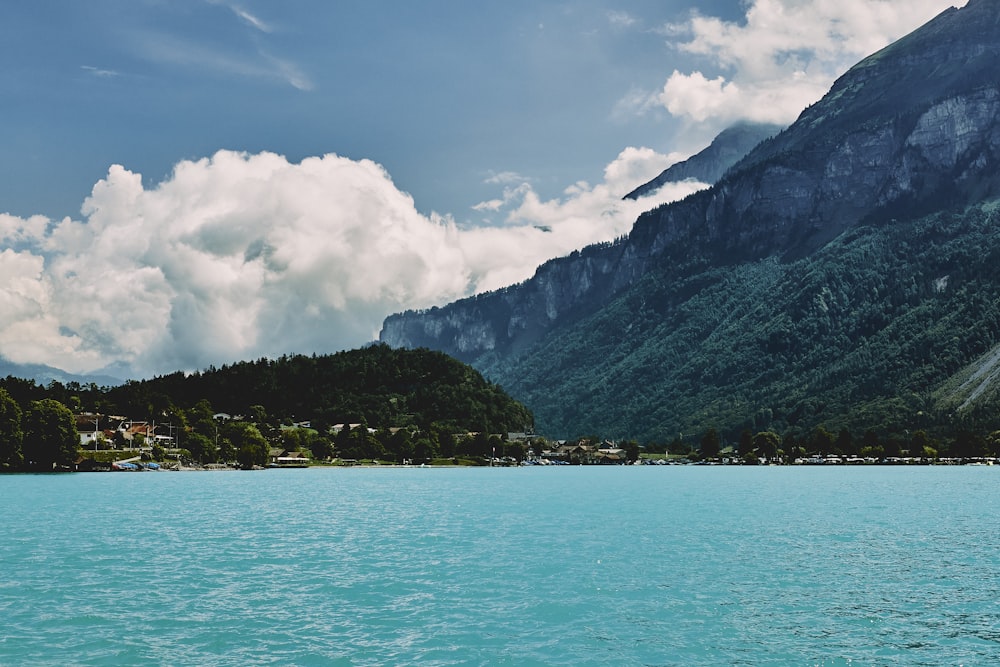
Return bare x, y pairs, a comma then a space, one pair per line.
117, 443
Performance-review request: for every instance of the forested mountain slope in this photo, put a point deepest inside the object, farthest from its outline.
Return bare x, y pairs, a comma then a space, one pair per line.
889, 327
845, 271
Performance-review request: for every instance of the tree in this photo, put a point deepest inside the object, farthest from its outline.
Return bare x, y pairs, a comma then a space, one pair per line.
746, 443
50, 436
251, 447
845, 442
443, 433
517, 449
870, 445
11, 434
631, 448
364, 443
919, 443
993, 443
822, 441
227, 451
344, 443
320, 446
291, 439
892, 446
401, 444
202, 447
766, 444
710, 444
968, 444
424, 449
258, 414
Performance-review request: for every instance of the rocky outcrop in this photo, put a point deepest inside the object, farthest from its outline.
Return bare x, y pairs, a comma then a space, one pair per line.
508, 320
912, 128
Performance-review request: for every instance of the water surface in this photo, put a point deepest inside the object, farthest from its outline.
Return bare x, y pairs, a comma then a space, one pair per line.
535, 566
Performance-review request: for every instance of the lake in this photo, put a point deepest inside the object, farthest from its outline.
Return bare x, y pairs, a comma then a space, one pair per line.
651, 565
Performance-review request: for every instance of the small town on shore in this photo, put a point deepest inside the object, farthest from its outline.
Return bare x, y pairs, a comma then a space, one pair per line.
126, 445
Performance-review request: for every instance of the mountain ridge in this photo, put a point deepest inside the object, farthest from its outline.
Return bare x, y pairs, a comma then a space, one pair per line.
909, 131
766, 203
45, 374
710, 164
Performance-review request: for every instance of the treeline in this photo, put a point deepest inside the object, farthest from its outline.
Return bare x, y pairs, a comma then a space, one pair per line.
821, 442
403, 403
40, 435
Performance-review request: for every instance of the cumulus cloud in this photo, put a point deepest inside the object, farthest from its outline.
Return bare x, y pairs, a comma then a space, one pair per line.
784, 56
536, 229
238, 256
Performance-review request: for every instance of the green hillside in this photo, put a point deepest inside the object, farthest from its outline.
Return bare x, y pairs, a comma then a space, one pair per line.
379, 385
425, 392
370, 403
878, 330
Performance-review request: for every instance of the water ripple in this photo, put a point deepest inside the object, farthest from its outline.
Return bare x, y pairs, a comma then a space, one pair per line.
581, 566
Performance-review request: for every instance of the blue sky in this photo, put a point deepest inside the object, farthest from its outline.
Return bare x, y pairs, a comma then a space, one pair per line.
193, 182
441, 93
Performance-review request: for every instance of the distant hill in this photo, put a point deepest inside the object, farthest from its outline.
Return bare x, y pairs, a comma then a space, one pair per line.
373, 403
708, 166
43, 374
382, 386
842, 273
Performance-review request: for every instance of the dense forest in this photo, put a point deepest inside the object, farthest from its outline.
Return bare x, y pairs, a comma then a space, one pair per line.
401, 403
880, 330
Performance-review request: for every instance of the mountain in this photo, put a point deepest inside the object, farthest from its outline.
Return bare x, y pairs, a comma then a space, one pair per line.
45, 374
842, 273
708, 166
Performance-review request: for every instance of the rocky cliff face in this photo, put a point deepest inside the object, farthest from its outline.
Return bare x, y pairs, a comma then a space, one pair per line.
914, 127
509, 320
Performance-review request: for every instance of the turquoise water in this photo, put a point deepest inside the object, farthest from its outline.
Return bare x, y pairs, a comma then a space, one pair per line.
535, 566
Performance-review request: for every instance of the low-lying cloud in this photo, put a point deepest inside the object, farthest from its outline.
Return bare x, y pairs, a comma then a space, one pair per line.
246, 255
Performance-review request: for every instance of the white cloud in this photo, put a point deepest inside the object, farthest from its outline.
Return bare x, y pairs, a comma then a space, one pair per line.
290, 72
619, 19
635, 166
505, 178
537, 229
99, 72
252, 59
238, 256
489, 205
250, 19
783, 57
180, 52
14, 230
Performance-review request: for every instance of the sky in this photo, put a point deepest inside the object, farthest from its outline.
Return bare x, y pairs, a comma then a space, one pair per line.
188, 183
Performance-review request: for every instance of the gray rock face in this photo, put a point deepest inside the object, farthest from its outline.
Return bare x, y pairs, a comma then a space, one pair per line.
509, 319
914, 127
